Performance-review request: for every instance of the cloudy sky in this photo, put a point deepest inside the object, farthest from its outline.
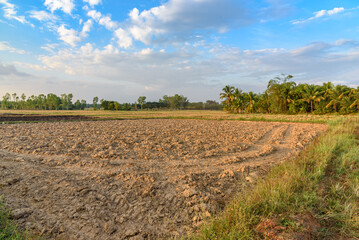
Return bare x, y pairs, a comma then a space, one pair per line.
122, 49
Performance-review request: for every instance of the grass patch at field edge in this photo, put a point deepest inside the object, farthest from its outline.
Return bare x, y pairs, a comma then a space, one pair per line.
314, 196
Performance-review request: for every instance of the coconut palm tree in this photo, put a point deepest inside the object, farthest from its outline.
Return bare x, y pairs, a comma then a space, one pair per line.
354, 94
227, 95
251, 101
238, 100
281, 92
335, 96
311, 94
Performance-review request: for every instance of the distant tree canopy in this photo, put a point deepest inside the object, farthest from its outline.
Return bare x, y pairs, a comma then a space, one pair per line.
285, 96
64, 102
42, 102
167, 102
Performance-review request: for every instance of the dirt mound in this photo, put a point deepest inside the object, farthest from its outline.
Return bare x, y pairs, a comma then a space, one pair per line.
135, 179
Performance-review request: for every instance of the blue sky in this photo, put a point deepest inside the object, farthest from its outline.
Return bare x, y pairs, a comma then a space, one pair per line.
119, 50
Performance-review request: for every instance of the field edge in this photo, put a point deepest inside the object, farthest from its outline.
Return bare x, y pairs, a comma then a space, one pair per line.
311, 196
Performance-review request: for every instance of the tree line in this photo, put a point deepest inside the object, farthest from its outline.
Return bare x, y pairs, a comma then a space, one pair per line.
42, 102
176, 102
285, 96
64, 102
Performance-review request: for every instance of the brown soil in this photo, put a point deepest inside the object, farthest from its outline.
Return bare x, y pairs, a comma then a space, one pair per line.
10, 117
135, 179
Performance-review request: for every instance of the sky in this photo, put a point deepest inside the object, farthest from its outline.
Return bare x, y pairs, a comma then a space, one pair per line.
122, 49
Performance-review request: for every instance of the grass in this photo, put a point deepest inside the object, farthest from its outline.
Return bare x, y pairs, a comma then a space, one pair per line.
8, 228
315, 195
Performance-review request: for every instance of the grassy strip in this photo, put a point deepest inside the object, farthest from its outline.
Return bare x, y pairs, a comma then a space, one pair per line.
9, 229
314, 196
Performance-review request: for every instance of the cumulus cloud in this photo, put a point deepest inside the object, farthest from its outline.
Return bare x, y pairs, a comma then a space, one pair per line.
104, 20
11, 13
320, 14
93, 2
42, 16
4, 46
181, 19
124, 39
176, 21
86, 28
65, 5
69, 36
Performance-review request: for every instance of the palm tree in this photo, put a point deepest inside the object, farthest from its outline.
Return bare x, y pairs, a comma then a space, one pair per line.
281, 91
311, 94
264, 102
237, 103
354, 93
251, 100
227, 94
335, 96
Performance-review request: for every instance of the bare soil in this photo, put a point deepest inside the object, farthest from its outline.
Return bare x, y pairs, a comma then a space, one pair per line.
135, 179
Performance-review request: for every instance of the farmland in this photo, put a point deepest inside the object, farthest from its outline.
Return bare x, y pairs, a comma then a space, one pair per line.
152, 178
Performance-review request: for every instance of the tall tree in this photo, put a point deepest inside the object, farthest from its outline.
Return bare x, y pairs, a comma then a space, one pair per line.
311, 94
95, 101
227, 95
335, 96
5, 101
141, 100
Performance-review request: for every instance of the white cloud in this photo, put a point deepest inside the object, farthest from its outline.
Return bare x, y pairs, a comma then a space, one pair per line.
11, 13
320, 14
69, 36
50, 47
180, 20
42, 16
94, 14
65, 5
87, 27
93, 2
124, 40
4, 46
103, 20
108, 23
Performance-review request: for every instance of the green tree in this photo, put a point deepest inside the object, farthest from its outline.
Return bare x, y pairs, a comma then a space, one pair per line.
228, 97
336, 95
311, 94
5, 101
141, 100
250, 97
355, 96
280, 91
95, 101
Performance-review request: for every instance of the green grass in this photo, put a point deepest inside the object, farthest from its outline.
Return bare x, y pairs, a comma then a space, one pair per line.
8, 228
322, 183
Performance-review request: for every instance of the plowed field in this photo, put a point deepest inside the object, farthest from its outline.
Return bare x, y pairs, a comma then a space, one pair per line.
135, 178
